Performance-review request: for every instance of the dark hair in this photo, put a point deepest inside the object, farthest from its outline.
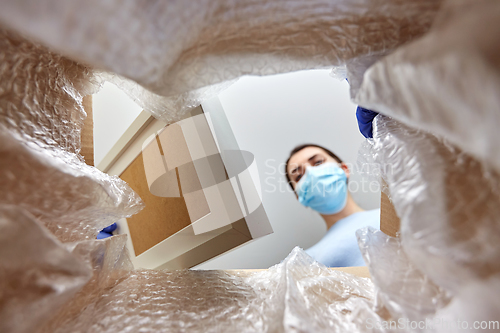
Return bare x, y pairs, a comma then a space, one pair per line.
299, 148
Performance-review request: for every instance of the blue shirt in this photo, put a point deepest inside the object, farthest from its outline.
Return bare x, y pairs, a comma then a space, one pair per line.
339, 247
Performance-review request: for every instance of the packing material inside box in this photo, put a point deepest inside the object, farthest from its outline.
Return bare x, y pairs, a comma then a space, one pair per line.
444, 186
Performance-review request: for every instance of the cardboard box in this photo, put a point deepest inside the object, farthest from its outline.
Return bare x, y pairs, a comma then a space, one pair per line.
200, 195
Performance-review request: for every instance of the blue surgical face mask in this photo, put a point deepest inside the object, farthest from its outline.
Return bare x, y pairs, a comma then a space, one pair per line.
323, 188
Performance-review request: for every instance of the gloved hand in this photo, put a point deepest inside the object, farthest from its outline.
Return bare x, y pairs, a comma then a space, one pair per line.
107, 232
365, 118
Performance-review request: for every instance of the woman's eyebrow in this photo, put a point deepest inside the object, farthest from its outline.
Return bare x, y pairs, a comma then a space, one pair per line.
300, 166
293, 171
312, 157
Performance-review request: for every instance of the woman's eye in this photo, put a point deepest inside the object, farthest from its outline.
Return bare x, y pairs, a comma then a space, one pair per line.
298, 178
318, 163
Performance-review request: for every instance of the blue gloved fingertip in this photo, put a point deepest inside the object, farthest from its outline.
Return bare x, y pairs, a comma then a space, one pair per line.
365, 118
103, 235
110, 228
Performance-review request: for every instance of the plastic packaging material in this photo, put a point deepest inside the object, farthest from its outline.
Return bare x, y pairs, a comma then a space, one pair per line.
41, 93
446, 260
447, 202
225, 39
339, 73
448, 81
445, 189
290, 296
402, 289
110, 265
301, 287
72, 199
37, 275
41, 116
168, 109
357, 67
108, 258
476, 303
448, 205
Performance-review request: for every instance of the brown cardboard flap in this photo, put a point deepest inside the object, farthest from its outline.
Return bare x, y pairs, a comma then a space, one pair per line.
205, 217
161, 218
389, 220
214, 247
360, 271
87, 135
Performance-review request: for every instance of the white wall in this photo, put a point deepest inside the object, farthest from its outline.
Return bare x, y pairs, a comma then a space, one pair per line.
270, 116
114, 112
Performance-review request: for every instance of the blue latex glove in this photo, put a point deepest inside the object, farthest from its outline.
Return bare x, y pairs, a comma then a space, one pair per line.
365, 118
107, 232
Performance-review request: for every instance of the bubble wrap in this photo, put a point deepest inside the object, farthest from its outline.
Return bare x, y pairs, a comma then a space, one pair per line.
151, 44
445, 191
448, 205
41, 116
290, 296
447, 82
444, 188
40, 275
37, 274
402, 289
41, 93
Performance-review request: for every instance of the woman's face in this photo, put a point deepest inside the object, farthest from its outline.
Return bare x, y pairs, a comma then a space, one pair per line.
309, 156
